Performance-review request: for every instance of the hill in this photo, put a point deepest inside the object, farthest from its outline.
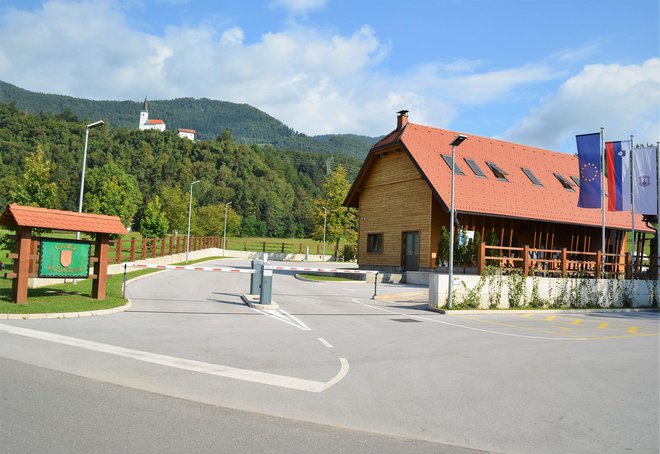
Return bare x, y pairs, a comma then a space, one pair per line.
208, 117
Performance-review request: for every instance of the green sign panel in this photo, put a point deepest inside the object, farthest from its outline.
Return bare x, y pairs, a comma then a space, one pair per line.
64, 258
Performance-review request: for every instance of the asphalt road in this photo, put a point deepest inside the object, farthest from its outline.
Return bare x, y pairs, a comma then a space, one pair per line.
331, 360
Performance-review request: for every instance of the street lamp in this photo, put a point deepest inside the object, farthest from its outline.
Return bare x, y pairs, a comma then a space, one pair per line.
96, 124
189, 215
456, 142
224, 235
325, 217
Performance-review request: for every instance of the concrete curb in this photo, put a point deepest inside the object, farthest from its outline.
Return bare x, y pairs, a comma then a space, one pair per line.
602, 310
347, 281
394, 296
52, 315
253, 301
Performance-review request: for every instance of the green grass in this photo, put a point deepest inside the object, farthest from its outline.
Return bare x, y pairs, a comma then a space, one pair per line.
71, 297
325, 277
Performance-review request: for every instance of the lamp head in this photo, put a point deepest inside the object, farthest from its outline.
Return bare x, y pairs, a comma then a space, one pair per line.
194, 182
96, 124
458, 140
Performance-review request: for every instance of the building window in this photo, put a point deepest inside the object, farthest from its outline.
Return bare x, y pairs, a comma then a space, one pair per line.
531, 176
475, 168
564, 182
375, 243
499, 173
457, 169
576, 180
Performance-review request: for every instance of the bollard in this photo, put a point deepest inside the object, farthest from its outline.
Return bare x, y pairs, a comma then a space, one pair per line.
255, 279
266, 285
306, 253
375, 286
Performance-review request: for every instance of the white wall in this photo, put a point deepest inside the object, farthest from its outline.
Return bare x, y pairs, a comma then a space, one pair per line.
573, 292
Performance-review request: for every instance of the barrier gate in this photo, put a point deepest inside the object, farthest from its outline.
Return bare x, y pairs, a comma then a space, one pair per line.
261, 282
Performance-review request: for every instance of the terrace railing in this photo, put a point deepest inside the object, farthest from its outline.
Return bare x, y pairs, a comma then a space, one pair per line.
565, 263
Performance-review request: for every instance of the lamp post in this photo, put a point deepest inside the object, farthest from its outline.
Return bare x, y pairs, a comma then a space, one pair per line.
325, 218
455, 143
189, 215
96, 124
224, 235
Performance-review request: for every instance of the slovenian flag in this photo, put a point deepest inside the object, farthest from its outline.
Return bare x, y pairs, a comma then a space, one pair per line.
617, 158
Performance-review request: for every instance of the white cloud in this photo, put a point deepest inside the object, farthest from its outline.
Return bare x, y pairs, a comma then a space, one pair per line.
622, 99
315, 81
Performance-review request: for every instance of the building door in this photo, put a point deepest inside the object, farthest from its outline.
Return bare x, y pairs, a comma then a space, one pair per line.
410, 251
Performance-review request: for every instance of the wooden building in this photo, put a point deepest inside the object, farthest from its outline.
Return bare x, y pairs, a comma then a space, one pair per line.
525, 195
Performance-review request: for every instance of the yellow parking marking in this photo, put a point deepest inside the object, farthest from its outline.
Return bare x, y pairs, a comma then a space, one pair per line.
633, 329
564, 328
527, 315
550, 318
577, 322
603, 325
511, 325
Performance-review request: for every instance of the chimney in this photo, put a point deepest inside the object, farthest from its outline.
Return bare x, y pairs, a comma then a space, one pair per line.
401, 119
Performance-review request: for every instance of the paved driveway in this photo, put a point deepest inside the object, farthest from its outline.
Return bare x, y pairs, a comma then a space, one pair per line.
501, 382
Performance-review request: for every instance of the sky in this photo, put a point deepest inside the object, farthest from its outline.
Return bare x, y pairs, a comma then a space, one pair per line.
535, 72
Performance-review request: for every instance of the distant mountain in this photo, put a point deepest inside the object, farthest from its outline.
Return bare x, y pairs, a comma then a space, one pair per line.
209, 118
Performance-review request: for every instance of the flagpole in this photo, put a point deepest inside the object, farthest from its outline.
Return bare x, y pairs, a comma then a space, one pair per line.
602, 203
657, 201
632, 204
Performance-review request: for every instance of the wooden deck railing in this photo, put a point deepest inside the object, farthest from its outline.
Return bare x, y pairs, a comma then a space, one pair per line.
564, 263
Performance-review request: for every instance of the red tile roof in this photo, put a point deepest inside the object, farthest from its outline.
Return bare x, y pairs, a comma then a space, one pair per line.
44, 218
189, 131
155, 122
518, 198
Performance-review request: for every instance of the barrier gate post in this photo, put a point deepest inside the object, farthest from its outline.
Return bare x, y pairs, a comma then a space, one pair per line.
255, 279
266, 285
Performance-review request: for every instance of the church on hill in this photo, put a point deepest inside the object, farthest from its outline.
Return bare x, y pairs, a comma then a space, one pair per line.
146, 123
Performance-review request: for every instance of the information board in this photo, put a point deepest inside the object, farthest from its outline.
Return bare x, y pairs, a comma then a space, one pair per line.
64, 258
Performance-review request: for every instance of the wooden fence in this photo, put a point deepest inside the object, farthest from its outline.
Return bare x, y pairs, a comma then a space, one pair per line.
564, 263
129, 250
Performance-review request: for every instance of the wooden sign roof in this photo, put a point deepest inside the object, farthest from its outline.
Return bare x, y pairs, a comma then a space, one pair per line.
44, 218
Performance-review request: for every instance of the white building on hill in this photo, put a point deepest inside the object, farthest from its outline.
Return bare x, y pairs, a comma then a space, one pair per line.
146, 123
187, 133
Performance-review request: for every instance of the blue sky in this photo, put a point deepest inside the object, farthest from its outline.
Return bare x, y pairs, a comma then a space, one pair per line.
535, 72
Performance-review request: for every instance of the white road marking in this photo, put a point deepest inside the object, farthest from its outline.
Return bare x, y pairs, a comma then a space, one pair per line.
325, 342
253, 376
285, 317
428, 319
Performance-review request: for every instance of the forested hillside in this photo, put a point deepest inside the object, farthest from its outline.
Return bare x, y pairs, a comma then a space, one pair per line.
272, 191
208, 117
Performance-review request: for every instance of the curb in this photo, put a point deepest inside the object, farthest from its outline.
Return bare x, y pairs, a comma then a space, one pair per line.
394, 296
253, 301
602, 310
347, 281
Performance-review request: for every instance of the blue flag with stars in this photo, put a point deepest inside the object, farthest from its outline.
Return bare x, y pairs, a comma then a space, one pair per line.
588, 146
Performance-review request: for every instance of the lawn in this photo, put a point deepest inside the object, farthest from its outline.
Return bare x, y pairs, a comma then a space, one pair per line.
71, 297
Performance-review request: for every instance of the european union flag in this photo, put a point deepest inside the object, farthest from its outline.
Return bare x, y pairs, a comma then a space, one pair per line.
588, 146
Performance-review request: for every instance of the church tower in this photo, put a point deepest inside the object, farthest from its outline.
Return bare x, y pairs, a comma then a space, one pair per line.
144, 115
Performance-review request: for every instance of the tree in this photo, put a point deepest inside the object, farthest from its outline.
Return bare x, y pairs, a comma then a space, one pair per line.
113, 192
210, 221
174, 203
341, 223
34, 187
154, 223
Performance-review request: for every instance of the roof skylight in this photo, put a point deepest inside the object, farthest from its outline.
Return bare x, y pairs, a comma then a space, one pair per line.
447, 160
531, 176
499, 173
475, 168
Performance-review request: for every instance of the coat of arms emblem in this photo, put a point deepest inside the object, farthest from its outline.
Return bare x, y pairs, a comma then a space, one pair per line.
644, 181
66, 257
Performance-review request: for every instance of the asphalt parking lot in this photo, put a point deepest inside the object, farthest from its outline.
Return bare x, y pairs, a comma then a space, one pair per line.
503, 382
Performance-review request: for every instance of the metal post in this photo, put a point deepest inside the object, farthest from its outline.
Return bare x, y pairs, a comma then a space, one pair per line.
456, 142
632, 199
375, 286
189, 216
325, 216
255, 280
224, 234
265, 293
123, 293
601, 271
